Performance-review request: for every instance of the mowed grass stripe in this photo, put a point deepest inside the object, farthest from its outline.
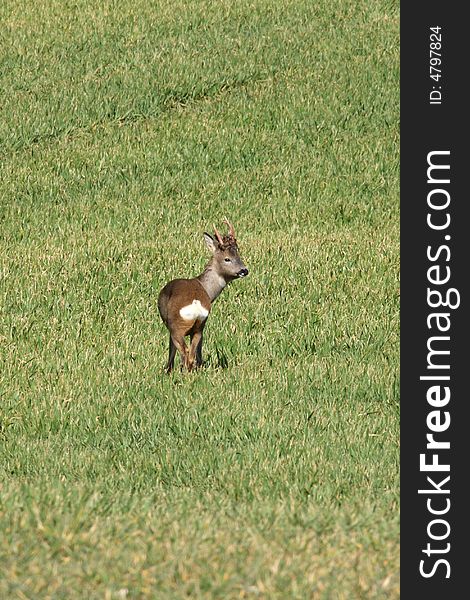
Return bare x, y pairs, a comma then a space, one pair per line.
147, 56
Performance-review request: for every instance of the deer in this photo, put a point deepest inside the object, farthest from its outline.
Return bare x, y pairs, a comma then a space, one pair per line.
184, 304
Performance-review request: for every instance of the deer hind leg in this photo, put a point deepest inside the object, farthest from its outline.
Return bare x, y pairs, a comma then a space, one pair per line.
171, 356
196, 342
180, 344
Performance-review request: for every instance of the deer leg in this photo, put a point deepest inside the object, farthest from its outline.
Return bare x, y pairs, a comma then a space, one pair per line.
182, 349
171, 356
199, 353
196, 340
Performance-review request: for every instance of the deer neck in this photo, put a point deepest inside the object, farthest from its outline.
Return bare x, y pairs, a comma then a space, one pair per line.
211, 281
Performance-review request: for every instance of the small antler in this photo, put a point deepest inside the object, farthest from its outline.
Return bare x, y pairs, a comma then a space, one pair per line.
231, 229
218, 236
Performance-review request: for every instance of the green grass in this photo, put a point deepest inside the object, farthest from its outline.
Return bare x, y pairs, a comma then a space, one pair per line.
126, 130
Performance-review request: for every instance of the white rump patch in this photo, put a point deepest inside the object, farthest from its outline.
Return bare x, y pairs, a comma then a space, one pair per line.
194, 311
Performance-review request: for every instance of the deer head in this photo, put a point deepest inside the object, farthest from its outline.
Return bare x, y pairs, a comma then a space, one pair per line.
226, 261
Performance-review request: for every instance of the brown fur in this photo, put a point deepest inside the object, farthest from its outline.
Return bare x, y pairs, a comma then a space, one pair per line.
224, 266
172, 298
175, 295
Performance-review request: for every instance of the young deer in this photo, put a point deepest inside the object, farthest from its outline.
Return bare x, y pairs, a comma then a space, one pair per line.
185, 304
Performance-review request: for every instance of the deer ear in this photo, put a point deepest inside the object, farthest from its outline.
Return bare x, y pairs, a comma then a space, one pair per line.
210, 242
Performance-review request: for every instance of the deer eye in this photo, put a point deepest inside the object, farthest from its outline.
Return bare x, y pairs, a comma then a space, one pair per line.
227, 259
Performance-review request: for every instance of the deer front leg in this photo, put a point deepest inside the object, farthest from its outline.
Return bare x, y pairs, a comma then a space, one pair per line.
199, 353
171, 356
196, 343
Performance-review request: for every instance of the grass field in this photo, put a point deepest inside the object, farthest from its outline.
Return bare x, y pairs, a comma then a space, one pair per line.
126, 130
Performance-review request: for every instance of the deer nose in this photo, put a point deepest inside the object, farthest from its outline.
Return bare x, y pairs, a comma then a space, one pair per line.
242, 273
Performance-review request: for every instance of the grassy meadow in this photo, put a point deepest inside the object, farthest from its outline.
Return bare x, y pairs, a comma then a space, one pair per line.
126, 130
